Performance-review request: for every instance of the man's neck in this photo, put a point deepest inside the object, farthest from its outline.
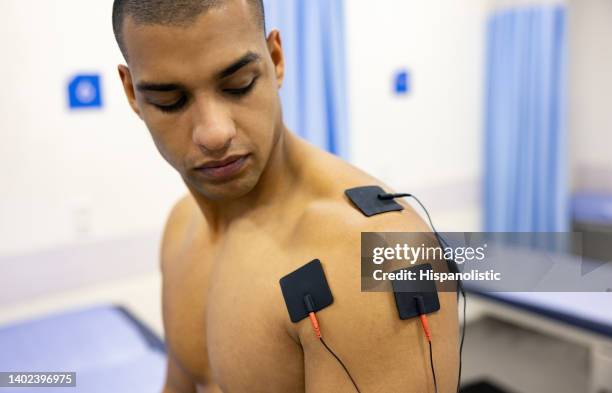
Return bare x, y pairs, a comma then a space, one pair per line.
277, 182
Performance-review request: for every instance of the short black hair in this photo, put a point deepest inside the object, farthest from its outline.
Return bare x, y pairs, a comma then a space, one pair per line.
169, 12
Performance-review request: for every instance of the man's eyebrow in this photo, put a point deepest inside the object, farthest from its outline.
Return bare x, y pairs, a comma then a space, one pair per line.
245, 60
248, 58
146, 86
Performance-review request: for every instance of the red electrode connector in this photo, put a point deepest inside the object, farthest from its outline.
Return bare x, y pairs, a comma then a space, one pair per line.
423, 317
309, 303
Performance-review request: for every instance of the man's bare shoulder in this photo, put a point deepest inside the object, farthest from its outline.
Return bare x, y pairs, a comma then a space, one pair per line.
180, 229
332, 230
337, 219
379, 343
330, 176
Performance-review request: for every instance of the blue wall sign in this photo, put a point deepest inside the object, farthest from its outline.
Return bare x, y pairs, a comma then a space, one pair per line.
402, 82
84, 91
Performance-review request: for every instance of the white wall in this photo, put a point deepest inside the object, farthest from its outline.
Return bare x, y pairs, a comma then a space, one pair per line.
71, 176
92, 175
590, 84
72, 182
503, 4
429, 142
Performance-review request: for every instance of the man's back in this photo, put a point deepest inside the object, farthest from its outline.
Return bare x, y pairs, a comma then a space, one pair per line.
226, 321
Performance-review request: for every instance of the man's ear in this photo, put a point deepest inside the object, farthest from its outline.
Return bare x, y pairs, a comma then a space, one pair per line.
278, 58
128, 87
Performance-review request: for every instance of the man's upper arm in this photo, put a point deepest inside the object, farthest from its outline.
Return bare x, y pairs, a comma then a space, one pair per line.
173, 240
177, 381
382, 352
180, 219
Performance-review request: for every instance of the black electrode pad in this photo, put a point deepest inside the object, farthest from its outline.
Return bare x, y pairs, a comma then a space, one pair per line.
366, 199
406, 290
307, 280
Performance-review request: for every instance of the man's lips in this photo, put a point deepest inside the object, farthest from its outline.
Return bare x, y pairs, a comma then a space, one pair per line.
219, 163
222, 169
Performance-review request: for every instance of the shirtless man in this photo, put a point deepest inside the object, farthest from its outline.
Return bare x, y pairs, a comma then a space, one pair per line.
204, 78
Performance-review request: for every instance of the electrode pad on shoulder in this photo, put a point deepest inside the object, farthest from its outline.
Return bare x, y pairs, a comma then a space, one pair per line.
366, 199
307, 280
406, 291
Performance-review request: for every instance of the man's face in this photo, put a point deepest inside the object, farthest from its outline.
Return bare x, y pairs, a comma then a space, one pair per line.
208, 93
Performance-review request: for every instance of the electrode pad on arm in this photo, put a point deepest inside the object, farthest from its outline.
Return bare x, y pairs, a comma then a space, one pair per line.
366, 199
407, 291
307, 280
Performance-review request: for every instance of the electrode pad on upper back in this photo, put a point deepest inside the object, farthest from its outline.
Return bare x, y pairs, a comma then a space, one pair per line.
366, 199
307, 280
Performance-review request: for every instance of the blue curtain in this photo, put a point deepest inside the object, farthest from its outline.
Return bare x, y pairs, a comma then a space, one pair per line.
314, 91
526, 186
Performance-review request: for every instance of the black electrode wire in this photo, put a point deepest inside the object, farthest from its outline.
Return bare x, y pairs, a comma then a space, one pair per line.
459, 283
420, 304
462, 338
404, 195
441, 240
433, 370
341, 363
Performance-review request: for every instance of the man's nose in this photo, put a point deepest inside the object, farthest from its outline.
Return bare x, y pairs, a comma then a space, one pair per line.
214, 127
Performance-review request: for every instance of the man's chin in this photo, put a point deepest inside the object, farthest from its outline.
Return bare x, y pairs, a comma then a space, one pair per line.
227, 191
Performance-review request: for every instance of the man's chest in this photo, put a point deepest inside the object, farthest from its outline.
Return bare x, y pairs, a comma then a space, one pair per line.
227, 317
